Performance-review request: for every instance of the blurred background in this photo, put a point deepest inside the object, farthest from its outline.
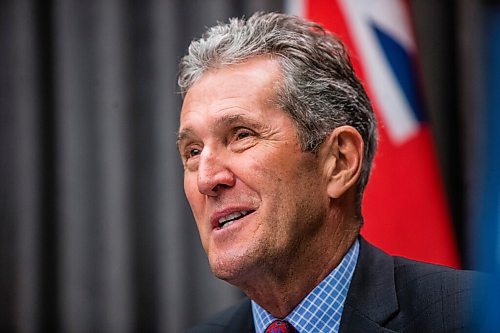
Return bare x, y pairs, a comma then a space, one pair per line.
95, 231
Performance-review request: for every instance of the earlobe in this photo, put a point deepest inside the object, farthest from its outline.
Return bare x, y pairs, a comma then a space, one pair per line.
344, 149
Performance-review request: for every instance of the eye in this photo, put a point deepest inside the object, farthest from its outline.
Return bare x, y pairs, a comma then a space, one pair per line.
191, 151
194, 152
243, 133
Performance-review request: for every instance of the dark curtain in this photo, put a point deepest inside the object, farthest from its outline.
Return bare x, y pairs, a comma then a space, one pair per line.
95, 233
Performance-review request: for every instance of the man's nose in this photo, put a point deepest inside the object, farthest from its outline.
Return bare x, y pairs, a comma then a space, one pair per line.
213, 173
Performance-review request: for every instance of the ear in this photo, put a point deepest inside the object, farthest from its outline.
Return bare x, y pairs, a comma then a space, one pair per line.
344, 157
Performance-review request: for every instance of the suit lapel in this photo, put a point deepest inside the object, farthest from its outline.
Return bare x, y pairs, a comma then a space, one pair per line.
371, 301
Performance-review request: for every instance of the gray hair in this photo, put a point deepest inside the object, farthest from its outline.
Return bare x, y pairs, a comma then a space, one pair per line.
320, 90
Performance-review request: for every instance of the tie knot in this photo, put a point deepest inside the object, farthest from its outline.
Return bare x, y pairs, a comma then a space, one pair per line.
280, 326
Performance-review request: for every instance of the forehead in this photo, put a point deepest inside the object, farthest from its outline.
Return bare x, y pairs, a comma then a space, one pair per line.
248, 86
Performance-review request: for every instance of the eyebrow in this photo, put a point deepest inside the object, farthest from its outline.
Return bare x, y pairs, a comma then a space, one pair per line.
224, 121
228, 120
183, 135
231, 119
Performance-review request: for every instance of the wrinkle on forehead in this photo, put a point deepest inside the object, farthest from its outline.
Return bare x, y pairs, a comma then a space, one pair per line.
258, 67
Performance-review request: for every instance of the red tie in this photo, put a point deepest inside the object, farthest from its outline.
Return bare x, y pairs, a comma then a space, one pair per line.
280, 326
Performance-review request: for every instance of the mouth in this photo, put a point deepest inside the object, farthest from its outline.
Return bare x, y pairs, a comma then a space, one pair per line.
225, 221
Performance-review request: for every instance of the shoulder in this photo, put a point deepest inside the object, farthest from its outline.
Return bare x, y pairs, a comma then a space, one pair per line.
237, 318
430, 278
420, 279
422, 285
406, 295
433, 294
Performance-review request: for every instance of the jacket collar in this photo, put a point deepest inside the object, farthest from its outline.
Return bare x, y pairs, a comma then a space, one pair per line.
371, 301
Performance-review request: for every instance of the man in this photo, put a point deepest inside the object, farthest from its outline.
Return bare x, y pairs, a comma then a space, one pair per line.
277, 138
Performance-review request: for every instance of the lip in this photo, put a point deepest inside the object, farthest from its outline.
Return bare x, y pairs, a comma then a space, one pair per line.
216, 216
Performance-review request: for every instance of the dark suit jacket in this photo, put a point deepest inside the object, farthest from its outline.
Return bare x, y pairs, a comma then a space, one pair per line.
387, 294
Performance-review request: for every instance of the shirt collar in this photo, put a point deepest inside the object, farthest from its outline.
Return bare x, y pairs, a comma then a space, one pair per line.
321, 309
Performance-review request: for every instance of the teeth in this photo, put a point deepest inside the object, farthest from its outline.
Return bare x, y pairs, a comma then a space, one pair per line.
227, 224
229, 219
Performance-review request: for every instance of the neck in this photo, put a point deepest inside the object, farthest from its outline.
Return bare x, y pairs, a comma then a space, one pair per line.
280, 288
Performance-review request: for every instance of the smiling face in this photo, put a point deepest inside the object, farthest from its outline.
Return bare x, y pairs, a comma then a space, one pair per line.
257, 198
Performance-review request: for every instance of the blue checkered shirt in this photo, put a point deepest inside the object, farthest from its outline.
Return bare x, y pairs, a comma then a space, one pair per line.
320, 311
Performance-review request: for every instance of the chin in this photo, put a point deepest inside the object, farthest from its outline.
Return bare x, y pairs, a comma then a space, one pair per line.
233, 269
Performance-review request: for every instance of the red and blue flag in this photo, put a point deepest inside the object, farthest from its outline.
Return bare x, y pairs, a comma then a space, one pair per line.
405, 208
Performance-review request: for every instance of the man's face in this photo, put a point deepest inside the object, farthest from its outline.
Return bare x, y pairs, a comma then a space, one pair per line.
257, 198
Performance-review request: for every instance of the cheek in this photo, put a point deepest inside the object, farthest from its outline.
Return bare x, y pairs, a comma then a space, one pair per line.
188, 186
197, 203
287, 178
275, 173
193, 196
266, 165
